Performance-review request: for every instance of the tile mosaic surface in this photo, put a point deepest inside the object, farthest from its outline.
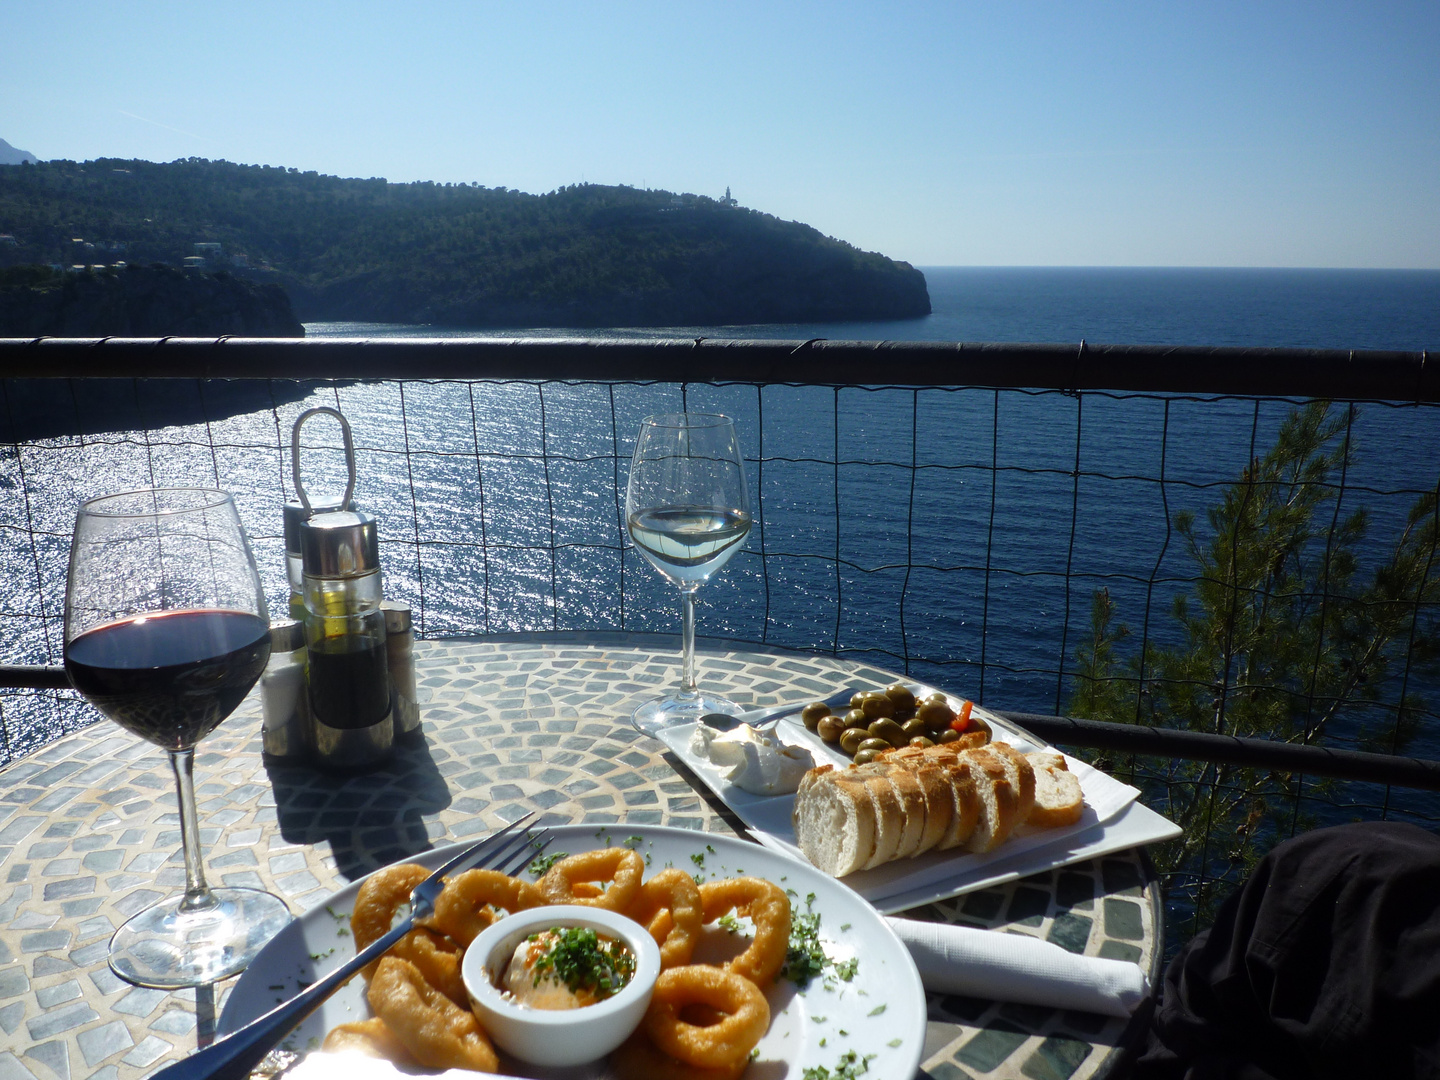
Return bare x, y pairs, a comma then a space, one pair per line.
89, 835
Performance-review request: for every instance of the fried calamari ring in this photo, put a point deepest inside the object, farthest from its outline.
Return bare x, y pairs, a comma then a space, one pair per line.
379, 898
638, 1059
438, 959
466, 904
719, 1045
765, 905
620, 866
669, 908
369, 1037
438, 1033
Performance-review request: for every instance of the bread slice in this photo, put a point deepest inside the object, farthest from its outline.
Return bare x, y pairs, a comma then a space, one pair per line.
999, 802
1058, 798
966, 798
834, 821
1021, 775
889, 818
940, 805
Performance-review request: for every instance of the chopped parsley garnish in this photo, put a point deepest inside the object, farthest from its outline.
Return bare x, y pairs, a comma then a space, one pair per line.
698, 859
541, 864
577, 957
729, 922
805, 958
848, 1067
846, 969
876, 1011
632, 842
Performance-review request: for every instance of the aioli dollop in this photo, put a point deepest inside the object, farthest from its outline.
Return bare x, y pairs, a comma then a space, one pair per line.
758, 761
566, 968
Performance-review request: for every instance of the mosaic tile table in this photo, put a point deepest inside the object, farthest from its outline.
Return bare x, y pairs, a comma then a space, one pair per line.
89, 834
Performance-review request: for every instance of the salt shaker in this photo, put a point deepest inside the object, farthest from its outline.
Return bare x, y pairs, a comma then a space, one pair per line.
351, 719
400, 652
283, 696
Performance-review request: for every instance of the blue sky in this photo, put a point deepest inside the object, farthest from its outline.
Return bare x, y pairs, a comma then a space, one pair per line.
1147, 133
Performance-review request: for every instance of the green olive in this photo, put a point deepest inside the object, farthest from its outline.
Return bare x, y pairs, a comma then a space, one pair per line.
851, 738
890, 731
938, 698
900, 696
877, 705
856, 718
922, 741
914, 726
830, 728
858, 698
949, 735
813, 713
878, 745
935, 716
864, 757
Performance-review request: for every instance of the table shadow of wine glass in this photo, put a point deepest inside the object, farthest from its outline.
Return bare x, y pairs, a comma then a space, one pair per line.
369, 819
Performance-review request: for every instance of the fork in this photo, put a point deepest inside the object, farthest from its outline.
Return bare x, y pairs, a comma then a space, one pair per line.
758, 718
234, 1056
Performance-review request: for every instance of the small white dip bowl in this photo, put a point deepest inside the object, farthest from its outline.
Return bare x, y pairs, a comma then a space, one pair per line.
558, 1036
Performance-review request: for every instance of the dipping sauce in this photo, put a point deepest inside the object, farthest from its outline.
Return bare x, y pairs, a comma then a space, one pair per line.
567, 968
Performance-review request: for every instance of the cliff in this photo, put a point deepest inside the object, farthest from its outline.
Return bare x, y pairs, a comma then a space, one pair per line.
140, 301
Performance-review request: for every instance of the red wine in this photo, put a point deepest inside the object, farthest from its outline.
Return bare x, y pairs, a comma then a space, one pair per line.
170, 677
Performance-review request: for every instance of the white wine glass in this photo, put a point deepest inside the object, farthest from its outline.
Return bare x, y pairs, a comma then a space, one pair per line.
687, 508
165, 632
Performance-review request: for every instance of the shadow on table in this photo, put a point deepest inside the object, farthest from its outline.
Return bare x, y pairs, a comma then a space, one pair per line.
369, 819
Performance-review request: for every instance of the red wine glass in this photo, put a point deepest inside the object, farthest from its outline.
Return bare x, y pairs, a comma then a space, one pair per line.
165, 632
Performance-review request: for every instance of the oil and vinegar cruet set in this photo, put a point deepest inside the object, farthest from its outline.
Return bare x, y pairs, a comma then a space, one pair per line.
339, 690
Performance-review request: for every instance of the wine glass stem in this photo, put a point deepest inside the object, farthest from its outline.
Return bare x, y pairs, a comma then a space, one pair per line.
197, 893
688, 686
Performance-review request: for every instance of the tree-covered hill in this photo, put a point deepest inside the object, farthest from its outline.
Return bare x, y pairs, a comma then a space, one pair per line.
458, 255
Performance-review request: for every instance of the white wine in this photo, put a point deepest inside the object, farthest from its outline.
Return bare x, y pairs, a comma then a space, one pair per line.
689, 543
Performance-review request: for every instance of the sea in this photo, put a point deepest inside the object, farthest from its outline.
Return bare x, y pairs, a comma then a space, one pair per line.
499, 503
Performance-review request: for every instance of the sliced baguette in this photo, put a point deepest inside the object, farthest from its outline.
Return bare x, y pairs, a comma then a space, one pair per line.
1058, 798
834, 821
910, 800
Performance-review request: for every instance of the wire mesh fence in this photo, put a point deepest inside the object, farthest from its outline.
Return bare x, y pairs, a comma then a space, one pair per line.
990, 539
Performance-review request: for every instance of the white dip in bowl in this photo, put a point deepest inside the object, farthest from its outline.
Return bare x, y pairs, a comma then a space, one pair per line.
558, 1036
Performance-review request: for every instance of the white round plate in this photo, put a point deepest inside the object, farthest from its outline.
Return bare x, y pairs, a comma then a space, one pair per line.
878, 1013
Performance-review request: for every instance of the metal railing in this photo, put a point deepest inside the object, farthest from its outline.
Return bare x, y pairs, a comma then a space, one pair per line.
877, 435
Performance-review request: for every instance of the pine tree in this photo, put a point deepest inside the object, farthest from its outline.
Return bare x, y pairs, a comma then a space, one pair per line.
1283, 637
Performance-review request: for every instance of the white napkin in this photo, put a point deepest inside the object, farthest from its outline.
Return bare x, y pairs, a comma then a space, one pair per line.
1015, 967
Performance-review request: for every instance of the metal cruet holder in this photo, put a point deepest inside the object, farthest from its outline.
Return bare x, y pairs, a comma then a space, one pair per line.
347, 653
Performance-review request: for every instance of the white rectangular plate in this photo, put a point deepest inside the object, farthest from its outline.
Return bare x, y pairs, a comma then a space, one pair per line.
1112, 821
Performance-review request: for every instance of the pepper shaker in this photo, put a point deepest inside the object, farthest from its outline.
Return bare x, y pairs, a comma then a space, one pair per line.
400, 652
